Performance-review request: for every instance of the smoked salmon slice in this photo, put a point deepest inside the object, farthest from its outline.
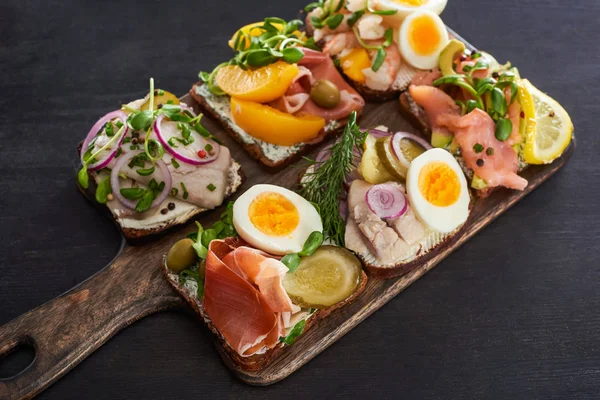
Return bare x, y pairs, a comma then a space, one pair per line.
435, 103
499, 168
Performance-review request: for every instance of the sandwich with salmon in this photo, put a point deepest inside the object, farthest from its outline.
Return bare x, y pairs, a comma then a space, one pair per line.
379, 45
278, 95
260, 277
389, 197
494, 122
154, 165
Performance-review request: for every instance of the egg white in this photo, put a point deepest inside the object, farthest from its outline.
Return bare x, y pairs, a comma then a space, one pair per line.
439, 219
403, 10
421, 61
310, 221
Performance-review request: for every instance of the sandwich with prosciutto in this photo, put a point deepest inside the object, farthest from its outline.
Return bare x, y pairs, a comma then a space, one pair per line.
260, 277
279, 94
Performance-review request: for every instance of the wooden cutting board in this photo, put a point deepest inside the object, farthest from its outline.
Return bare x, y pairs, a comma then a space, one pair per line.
67, 329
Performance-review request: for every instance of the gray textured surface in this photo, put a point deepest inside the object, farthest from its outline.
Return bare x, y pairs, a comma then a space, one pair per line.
513, 313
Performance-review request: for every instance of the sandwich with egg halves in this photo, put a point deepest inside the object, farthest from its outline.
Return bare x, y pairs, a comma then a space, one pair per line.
154, 165
380, 46
278, 95
389, 197
260, 277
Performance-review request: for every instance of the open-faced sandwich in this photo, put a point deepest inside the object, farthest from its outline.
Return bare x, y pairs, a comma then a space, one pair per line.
388, 197
154, 165
491, 120
262, 289
279, 94
380, 45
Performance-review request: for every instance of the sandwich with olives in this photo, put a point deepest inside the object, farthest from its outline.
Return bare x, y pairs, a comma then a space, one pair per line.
379, 46
389, 197
260, 277
278, 95
154, 165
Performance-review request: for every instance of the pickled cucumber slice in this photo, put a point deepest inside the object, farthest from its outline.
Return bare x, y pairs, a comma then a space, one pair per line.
371, 166
330, 275
384, 151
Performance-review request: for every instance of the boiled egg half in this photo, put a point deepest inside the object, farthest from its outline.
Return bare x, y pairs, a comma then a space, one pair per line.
403, 8
437, 190
421, 39
275, 219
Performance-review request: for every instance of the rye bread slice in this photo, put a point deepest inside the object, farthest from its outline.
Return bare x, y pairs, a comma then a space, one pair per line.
182, 213
257, 361
271, 157
417, 117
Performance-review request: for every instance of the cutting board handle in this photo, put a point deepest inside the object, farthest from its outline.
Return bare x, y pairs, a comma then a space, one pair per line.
67, 329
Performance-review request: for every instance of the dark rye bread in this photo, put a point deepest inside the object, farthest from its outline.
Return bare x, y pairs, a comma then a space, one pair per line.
416, 116
253, 149
258, 361
171, 219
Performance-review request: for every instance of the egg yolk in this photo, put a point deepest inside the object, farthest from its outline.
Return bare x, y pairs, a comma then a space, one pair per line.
414, 3
424, 36
273, 214
439, 184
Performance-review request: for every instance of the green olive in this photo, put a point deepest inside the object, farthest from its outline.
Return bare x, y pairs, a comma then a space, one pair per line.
182, 255
325, 94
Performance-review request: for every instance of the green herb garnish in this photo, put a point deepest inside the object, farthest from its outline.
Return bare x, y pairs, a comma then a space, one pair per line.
174, 163
103, 190
381, 53
219, 230
211, 187
324, 185
185, 192
294, 333
478, 148
279, 40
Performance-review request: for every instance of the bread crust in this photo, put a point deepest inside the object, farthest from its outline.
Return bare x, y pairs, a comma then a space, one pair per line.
257, 361
254, 149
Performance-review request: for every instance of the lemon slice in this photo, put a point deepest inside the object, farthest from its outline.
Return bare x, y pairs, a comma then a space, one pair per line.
551, 133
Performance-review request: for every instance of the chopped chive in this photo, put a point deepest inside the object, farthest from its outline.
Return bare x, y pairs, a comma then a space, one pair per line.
490, 151
208, 147
185, 192
211, 187
174, 163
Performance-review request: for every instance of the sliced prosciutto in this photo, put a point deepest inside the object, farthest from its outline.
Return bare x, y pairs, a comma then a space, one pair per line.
244, 296
499, 168
313, 67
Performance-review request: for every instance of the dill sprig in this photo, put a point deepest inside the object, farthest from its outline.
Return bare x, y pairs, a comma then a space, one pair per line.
324, 185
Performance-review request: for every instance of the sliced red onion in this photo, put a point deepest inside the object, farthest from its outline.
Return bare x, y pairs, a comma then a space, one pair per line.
108, 157
387, 201
164, 140
395, 144
379, 133
116, 186
185, 107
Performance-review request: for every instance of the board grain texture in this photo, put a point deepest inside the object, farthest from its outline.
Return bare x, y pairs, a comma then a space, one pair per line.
511, 313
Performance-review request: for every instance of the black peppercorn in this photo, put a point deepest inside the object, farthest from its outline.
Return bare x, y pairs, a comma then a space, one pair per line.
164, 211
480, 162
171, 206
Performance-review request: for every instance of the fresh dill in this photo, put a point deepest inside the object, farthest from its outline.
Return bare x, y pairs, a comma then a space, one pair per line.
324, 185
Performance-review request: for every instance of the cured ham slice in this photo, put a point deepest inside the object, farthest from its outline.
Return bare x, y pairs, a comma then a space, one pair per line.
315, 66
244, 296
236, 308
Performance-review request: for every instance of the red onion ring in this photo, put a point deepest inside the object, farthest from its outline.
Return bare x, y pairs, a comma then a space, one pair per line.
94, 131
379, 133
387, 201
395, 144
197, 161
116, 187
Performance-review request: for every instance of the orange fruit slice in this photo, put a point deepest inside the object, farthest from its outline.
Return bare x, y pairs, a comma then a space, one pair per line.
273, 126
261, 85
